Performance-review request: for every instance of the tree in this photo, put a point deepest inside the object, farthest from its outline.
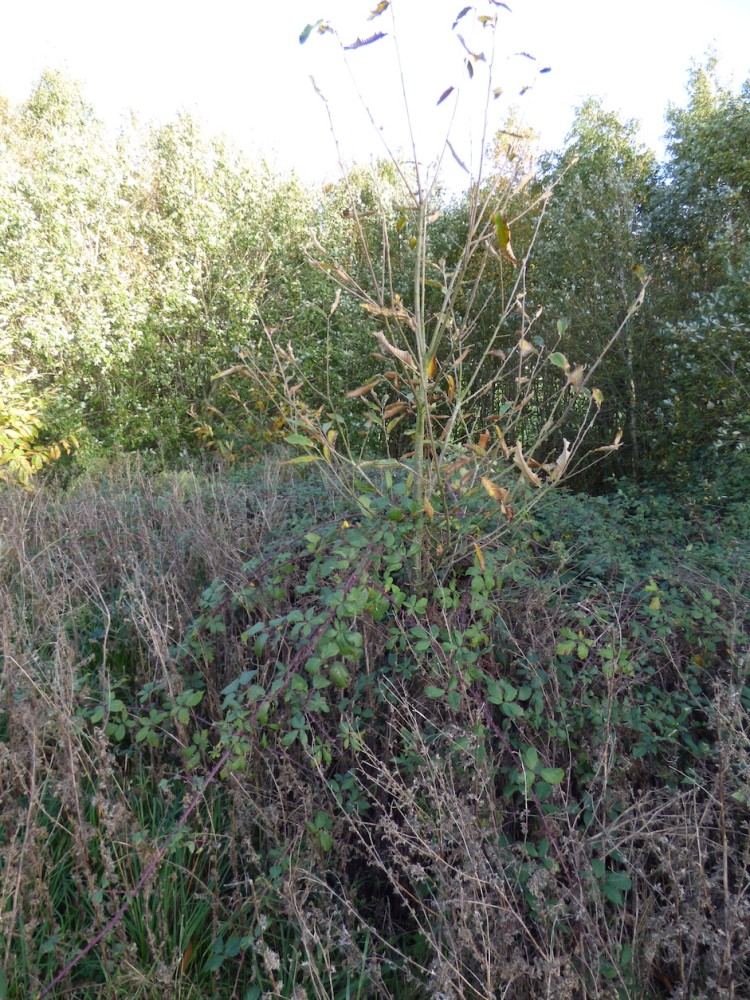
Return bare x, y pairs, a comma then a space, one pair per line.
456, 335
699, 233
587, 265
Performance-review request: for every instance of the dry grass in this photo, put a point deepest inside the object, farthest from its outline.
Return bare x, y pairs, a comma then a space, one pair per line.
444, 884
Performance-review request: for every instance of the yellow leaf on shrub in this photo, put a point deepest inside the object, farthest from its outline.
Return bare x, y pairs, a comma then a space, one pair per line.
525, 347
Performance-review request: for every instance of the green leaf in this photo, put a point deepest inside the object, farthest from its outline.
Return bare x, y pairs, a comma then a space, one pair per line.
254, 693
598, 867
620, 880
559, 360
339, 675
495, 693
511, 693
213, 963
308, 30
501, 229
326, 840
531, 758
434, 692
552, 775
234, 946
299, 439
613, 894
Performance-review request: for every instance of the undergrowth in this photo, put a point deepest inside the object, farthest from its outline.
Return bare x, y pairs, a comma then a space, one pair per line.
531, 780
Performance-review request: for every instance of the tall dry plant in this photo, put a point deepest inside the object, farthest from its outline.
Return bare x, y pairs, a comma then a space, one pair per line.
462, 363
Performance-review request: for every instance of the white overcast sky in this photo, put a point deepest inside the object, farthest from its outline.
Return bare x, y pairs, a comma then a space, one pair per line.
239, 68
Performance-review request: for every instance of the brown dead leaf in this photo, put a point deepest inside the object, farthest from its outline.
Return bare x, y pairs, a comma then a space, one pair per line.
361, 390
528, 474
403, 356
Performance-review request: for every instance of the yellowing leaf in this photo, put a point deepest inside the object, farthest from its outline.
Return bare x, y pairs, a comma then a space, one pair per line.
500, 494
502, 231
302, 459
493, 489
598, 396
451, 386
432, 367
525, 347
382, 6
429, 509
480, 557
